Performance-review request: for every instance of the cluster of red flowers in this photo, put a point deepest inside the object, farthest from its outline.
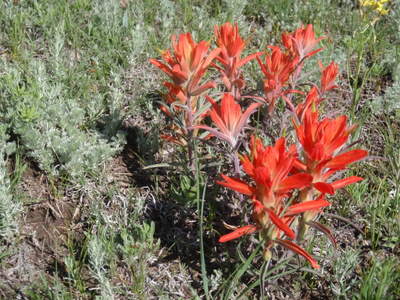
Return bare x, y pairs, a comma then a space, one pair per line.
288, 184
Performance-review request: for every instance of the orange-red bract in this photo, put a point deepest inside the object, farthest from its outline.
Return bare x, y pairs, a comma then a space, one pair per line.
328, 77
301, 42
277, 69
231, 45
248, 229
186, 66
296, 248
322, 142
229, 118
188, 62
269, 167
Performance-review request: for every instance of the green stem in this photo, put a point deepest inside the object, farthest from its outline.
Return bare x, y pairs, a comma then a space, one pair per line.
200, 206
264, 268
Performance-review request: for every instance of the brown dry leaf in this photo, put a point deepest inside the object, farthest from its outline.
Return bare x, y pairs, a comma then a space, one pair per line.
123, 3
228, 226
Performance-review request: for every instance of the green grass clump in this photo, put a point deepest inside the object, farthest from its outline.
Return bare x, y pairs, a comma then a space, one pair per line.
380, 281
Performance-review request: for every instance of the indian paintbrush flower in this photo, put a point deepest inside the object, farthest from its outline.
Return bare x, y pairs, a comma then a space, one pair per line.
287, 186
232, 46
186, 66
315, 95
301, 42
322, 143
229, 119
269, 167
277, 70
188, 63
328, 77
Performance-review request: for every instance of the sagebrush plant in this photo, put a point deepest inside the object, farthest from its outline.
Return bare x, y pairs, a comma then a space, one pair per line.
289, 183
10, 207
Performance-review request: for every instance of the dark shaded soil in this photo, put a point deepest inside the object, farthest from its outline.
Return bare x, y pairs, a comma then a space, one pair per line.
49, 223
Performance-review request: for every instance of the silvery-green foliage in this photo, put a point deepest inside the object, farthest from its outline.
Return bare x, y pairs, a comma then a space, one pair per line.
120, 238
99, 262
66, 150
9, 206
53, 128
393, 53
389, 102
343, 280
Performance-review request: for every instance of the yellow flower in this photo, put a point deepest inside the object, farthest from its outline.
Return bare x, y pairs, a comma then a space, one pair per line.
377, 5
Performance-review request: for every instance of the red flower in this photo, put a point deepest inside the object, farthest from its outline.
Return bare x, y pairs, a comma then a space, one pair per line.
328, 77
282, 225
277, 69
301, 42
269, 167
187, 65
229, 119
229, 40
314, 96
231, 45
322, 141
311, 102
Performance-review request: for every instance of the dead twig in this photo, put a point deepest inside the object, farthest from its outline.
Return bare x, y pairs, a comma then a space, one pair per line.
345, 220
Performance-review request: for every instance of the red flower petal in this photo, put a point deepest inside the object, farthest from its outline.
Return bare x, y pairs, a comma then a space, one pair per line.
236, 185
296, 181
297, 164
342, 160
280, 224
248, 229
324, 187
166, 69
345, 182
305, 206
